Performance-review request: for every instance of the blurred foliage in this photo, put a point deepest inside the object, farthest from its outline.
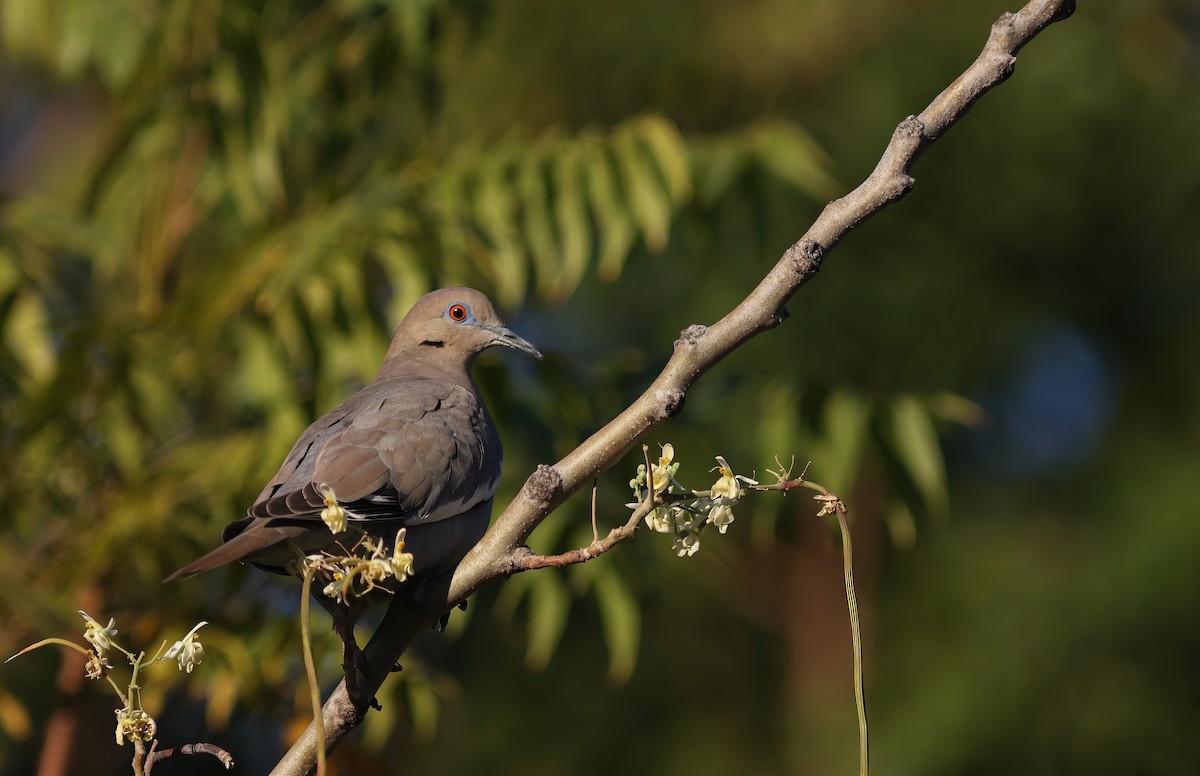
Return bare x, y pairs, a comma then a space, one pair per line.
217, 212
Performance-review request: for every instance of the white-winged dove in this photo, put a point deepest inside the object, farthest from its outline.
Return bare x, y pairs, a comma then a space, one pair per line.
414, 448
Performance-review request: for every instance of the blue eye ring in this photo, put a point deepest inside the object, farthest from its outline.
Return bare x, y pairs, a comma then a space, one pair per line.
459, 313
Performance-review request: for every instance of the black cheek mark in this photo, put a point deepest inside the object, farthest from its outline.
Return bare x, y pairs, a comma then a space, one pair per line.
434, 343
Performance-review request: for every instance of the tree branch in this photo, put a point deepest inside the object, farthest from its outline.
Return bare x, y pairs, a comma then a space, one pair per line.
502, 550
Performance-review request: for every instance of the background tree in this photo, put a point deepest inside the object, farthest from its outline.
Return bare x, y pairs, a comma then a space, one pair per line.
216, 213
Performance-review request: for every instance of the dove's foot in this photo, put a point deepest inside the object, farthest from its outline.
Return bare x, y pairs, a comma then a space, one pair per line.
354, 660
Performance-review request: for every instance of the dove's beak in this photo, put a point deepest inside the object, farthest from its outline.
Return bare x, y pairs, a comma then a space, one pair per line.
509, 340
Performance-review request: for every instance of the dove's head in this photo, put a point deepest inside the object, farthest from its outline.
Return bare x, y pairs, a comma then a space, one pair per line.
449, 327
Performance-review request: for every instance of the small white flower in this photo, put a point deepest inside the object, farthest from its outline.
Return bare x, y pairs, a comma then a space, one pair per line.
664, 470
726, 487
97, 635
685, 521
686, 544
188, 650
660, 520
729, 485
336, 589
721, 516
402, 562
333, 515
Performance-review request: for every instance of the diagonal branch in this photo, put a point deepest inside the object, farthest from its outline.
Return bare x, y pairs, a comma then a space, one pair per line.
501, 552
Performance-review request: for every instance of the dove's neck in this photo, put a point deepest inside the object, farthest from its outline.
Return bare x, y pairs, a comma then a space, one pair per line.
428, 360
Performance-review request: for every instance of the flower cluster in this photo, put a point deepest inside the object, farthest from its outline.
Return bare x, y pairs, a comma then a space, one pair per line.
365, 567
683, 512
133, 723
136, 725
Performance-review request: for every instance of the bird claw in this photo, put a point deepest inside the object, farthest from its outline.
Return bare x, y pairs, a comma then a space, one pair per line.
354, 663
354, 660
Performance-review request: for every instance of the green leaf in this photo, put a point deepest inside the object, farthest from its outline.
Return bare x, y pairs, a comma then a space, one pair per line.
787, 151
901, 525
406, 276
549, 604
920, 453
649, 202
622, 620
381, 723
413, 19
27, 336
779, 435
719, 163
666, 146
502, 260
571, 218
613, 221
423, 704
537, 218
846, 419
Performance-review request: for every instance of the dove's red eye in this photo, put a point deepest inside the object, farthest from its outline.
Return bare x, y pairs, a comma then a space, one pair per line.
457, 313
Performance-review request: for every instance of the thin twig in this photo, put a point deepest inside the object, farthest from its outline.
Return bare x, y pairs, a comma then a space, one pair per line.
595, 530
157, 754
530, 561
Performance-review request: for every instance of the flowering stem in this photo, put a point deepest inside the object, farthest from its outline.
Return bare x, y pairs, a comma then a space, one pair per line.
117, 690
158, 653
834, 504
123, 651
855, 637
133, 685
310, 668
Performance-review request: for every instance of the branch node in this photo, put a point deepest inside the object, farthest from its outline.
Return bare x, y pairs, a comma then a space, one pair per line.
690, 336
1005, 27
911, 133
516, 561
806, 257
1005, 65
671, 402
543, 486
